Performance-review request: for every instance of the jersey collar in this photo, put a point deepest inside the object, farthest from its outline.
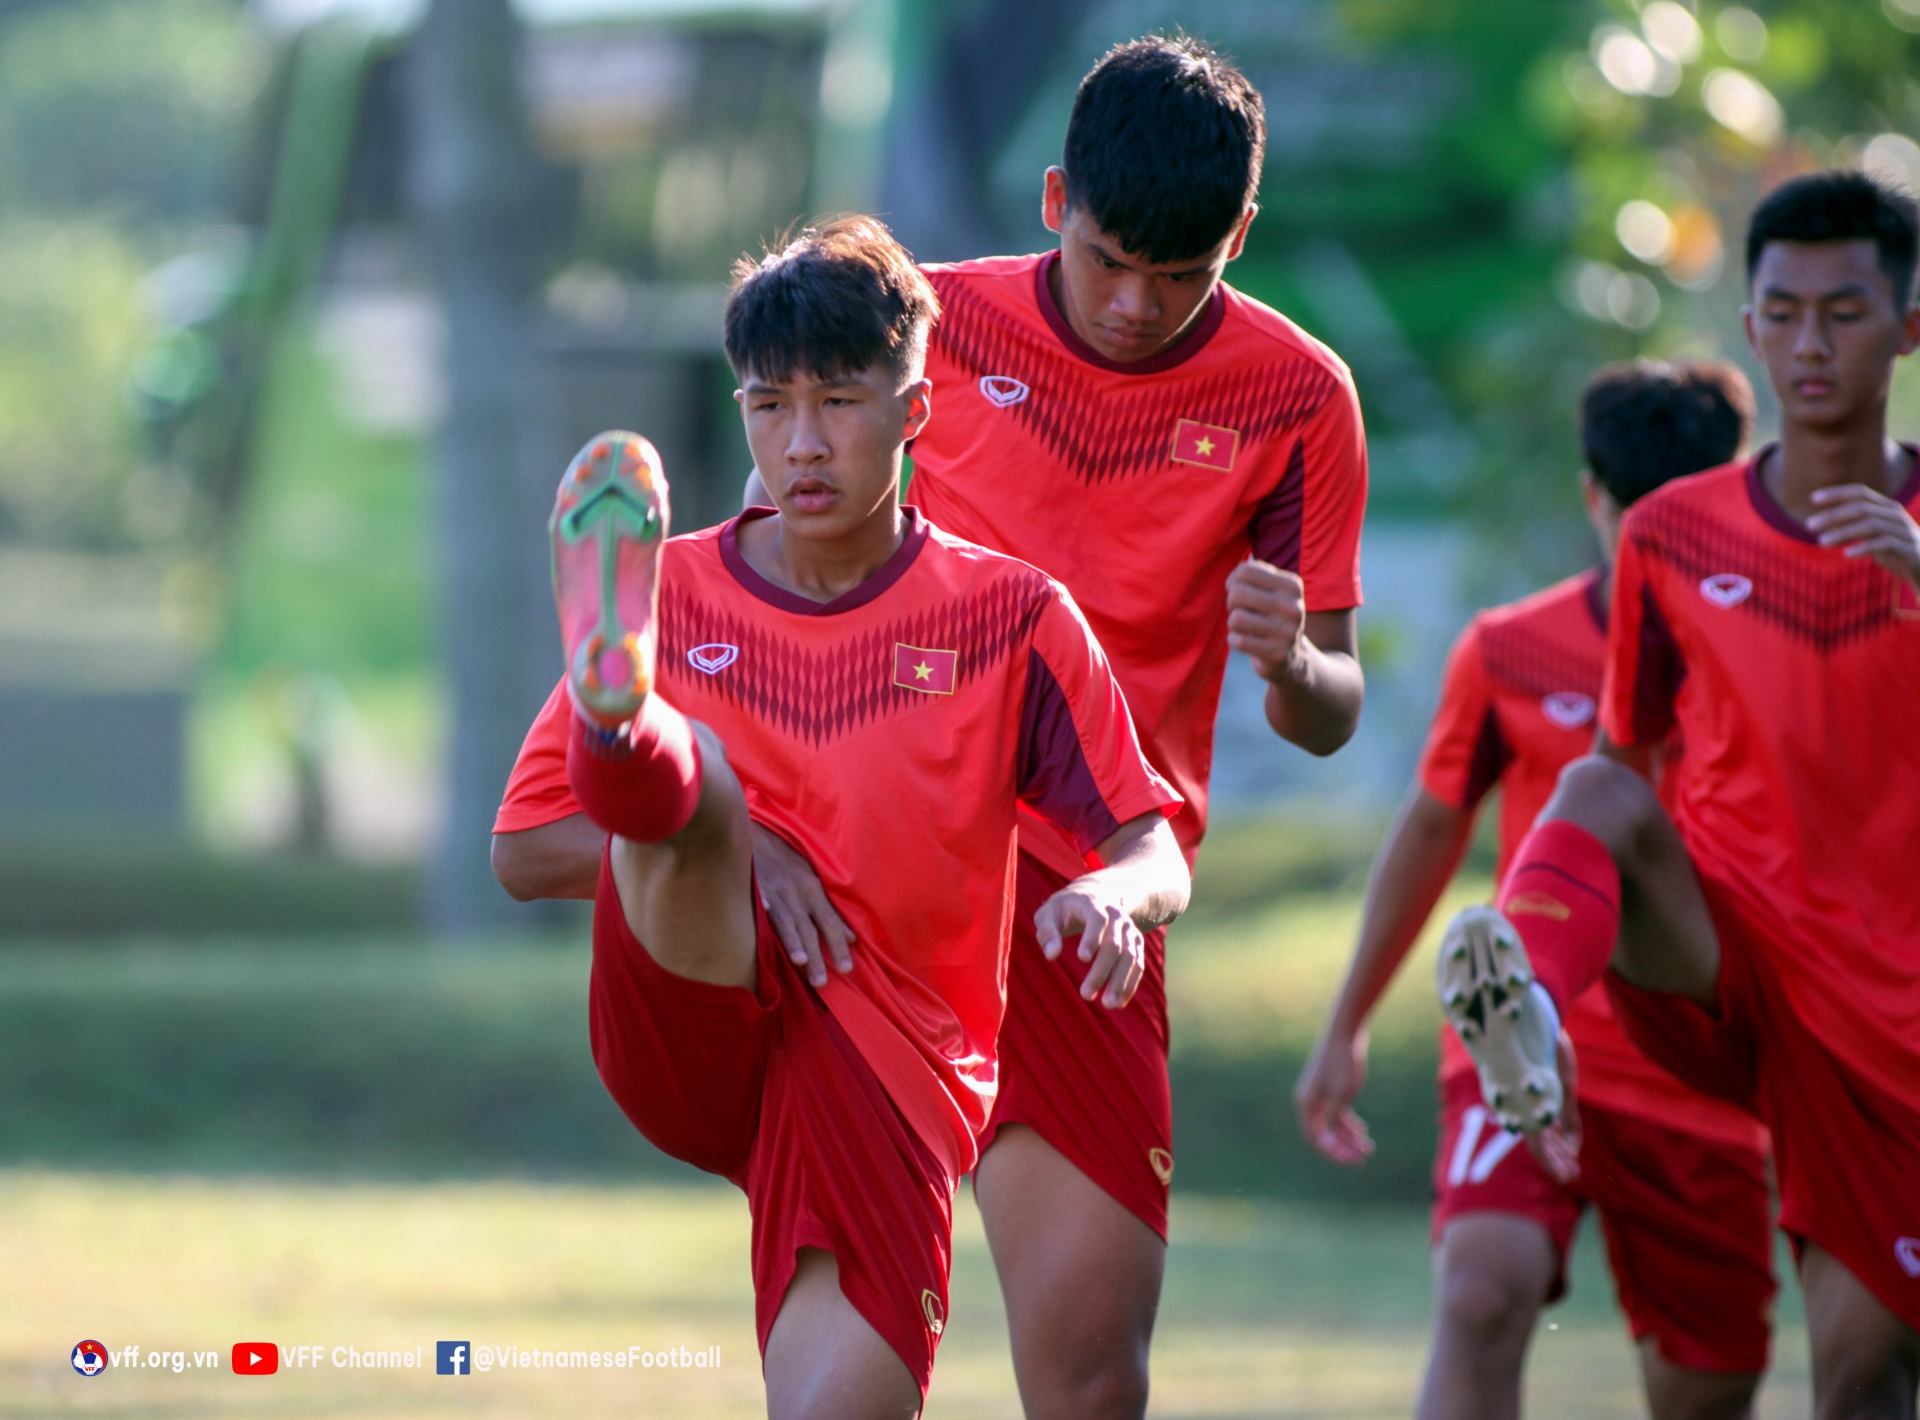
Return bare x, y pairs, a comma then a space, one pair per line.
1590, 594
1779, 519
891, 571
1188, 346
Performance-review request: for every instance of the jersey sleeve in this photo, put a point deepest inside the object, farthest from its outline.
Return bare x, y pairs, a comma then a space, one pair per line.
1466, 753
1645, 666
537, 790
1081, 766
1310, 522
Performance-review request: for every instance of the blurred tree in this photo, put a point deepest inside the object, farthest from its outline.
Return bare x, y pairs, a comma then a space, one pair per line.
119, 147
488, 209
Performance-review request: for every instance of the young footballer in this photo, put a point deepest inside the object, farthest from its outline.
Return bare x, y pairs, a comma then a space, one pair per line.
1679, 1179
1192, 466
1763, 933
881, 696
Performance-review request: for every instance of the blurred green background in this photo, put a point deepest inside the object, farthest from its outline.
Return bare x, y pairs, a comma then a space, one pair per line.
284, 382
270, 564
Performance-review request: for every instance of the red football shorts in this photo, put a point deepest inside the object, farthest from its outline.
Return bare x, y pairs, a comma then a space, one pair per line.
1687, 1222
764, 1088
1846, 1152
1090, 1081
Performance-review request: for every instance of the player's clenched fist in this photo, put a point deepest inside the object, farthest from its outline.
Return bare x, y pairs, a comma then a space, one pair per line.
1266, 609
1109, 939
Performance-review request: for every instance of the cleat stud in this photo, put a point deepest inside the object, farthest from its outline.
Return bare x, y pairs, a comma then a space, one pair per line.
1459, 953
1533, 1088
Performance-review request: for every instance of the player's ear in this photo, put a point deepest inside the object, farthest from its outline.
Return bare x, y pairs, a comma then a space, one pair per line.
1053, 199
1240, 232
1753, 338
1910, 331
919, 397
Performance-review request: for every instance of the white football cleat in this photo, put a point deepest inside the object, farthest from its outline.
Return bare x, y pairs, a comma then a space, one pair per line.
1503, 1016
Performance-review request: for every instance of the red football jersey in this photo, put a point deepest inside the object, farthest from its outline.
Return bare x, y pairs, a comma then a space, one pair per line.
1521, 689
1793, 673
888, 735
1141, 485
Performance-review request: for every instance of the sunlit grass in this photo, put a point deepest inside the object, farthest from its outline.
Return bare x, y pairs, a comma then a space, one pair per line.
1271, 1309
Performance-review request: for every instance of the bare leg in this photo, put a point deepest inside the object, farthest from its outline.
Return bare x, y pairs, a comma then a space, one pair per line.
1866, 1362
1683, 1393
1081, 1276
689, 899
825, 1362
1492, 1273
1667, 941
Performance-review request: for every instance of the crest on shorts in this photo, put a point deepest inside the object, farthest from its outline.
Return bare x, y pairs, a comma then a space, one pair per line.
1162, 1162
1726, 590
1906, 1252
713, 657
930, 1304
1568, 709
1536, 904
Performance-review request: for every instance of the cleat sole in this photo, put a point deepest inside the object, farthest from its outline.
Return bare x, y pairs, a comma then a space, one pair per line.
1486, 989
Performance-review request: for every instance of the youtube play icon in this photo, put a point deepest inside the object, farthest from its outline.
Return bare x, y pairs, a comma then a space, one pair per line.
255, 1358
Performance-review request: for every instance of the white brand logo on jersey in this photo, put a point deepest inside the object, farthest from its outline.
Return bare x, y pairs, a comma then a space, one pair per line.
1568, 709
1726, 590
1002, 390
713, 657
1906, 1252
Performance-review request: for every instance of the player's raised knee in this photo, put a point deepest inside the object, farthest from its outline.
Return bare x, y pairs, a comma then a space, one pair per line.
1608, 799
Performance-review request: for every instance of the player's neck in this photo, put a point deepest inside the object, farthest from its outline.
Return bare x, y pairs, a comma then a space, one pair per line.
1809, 458
823, 569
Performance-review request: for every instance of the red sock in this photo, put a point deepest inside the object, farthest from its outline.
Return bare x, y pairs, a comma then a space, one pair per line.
642, 784
1562, 895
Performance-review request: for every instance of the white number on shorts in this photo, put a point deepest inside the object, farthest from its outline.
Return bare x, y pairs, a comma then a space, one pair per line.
1465, 1166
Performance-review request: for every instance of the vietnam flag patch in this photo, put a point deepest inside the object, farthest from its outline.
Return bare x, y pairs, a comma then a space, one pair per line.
1205, 444
917, 668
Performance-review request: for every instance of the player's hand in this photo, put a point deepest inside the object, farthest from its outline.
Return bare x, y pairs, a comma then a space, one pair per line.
797, 906
1868, 524
1266, 609
1324, 1095
1109, 939
1557, 1147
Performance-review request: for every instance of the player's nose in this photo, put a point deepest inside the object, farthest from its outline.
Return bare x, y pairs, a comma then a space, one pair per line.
806, 440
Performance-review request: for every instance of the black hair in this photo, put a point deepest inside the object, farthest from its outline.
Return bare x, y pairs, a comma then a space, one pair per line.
1164, 147
1646, 421
1842, 206
838, 297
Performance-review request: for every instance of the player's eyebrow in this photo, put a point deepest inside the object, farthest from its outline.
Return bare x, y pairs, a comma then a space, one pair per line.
1853, 289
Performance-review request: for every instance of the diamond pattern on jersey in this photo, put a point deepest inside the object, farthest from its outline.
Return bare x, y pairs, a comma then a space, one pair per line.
1130, 433
1531, 661
820, 695
1828, 605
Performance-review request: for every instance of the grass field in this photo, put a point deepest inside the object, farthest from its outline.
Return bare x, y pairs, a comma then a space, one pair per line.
1271, 1309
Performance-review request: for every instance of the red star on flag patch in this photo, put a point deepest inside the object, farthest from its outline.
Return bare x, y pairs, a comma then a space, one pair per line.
917, 668
1205, 444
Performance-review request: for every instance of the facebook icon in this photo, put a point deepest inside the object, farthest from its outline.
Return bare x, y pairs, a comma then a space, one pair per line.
450, 1359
